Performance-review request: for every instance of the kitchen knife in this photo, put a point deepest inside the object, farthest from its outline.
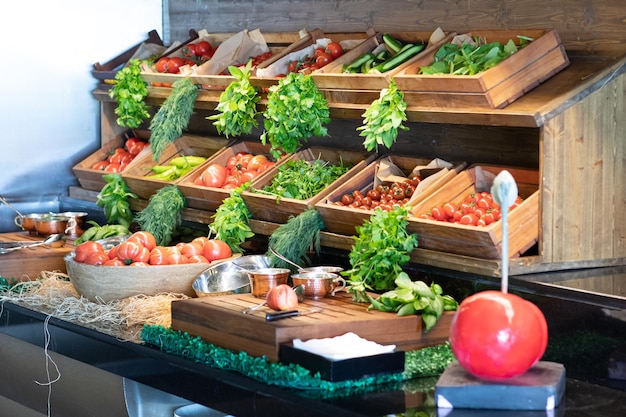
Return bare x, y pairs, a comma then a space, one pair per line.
290, 313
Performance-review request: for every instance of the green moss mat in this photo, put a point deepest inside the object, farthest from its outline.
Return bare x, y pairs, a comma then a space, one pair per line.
426, 362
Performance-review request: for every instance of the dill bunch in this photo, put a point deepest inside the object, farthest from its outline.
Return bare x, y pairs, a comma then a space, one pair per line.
294, 238
162, 215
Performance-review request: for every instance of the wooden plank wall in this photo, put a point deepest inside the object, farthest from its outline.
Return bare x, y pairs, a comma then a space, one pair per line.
587, 26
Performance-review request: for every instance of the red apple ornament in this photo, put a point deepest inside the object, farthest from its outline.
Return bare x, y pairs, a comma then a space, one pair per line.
496, 335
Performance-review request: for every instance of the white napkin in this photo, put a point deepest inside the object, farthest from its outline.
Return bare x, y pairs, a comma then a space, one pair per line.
346, 346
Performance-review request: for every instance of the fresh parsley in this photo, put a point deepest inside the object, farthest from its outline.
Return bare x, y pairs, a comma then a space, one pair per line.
130, 91
383, 118
296, 110
231, 220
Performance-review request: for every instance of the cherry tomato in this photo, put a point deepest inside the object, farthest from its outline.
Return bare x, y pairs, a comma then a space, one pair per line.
203, 48
347, 199
189, 50
162, 64
100, 165
174, 65
323, 59
334, 49
496, 335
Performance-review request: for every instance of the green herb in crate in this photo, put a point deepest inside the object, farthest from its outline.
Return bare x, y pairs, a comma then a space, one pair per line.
301, 180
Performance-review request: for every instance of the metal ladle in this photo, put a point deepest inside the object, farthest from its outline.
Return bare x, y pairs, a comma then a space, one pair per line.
2, 199
281, 257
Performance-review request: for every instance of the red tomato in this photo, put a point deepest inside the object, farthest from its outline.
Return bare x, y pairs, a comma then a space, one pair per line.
469, 219
96, 258
496, 335
189, 50
201, 240
85, 249
174, 65
282, 298
147, 239
118, 155
139, 264
203, 48
192, 248
162, 64
100, 165
114, 262
133, 251
158, 256
176, 258
215, 249
257, 162
214, 176
113, 252
323, 59
197, 259
334, 49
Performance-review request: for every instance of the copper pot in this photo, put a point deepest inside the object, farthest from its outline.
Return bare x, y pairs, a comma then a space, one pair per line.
264, 279
50, 225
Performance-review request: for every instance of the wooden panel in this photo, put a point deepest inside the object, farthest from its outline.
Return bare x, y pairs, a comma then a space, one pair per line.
583, 193
219, 320
590, 26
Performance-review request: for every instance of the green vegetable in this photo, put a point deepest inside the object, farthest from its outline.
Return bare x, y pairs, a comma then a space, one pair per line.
413, 297
471, 59
113, 197
381, 247
392, 44
97, 232
130, 91
294, 238
406, 53
355, 66
177, 168
237, 105
301, 179
173, 116
383, 118
296, 110
231, 221
162, 215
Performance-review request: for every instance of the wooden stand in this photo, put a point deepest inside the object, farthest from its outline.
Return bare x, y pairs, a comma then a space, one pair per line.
25, 264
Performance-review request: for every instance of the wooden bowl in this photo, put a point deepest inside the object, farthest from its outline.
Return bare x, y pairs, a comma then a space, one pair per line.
107, 283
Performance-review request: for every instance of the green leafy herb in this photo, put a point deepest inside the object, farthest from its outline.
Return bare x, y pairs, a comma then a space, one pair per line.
173, 116
301, 179
296, 110
415, 297
381, 247
237, 104
162, 215
294, 238
231, 220
471, 58
130, 91
113, 197
383, 118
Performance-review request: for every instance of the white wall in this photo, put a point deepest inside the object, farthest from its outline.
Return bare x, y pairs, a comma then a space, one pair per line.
48, 116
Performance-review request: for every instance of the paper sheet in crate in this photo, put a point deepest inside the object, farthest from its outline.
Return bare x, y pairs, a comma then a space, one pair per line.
496, 87
137, 177
480, 241
91, 179
343, 220
274, 209
219, 320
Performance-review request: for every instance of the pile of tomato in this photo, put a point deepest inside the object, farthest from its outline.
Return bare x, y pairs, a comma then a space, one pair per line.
140, 249
119, 158
476, 209
383, 196
239, 169
321, 57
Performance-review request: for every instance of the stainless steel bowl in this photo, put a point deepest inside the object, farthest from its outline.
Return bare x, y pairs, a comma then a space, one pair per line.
229, 277
321, 269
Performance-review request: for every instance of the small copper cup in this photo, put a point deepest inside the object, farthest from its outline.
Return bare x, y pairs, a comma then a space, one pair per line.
27, 221
264, 279
319, 284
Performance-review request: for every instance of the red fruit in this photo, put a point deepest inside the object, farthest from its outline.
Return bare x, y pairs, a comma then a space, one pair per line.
282, 298
496, 335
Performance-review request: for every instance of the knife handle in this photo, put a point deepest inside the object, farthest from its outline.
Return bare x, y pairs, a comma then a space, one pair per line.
281, 315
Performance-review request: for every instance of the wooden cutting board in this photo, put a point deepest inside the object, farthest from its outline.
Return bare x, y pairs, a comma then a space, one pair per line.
219, 320
24, 264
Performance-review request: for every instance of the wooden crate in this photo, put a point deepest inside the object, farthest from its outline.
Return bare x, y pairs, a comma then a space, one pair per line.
106, 72
476, 241
27, 264
219, 320
496, 87
210, 198
331, 78
343, 220
91, 179
136, 177
279, 210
